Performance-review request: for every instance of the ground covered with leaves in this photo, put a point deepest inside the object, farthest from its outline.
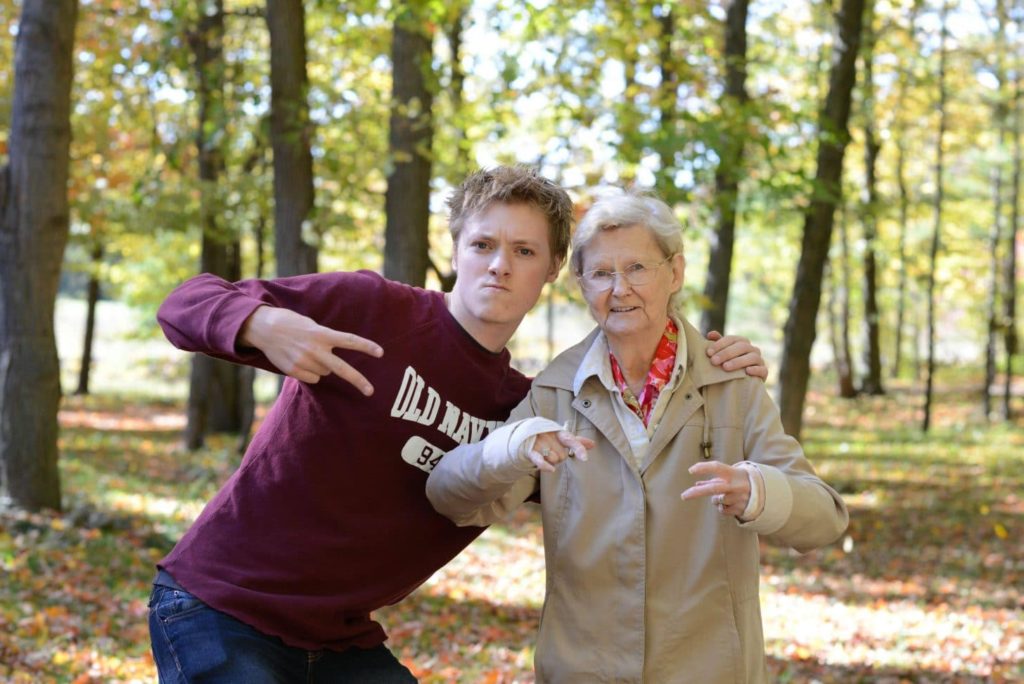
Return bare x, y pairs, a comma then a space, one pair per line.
927, 586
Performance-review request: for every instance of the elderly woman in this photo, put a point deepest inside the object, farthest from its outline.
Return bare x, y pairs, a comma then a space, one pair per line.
651, 532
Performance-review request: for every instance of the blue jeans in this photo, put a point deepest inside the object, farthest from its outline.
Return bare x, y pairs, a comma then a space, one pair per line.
193, 642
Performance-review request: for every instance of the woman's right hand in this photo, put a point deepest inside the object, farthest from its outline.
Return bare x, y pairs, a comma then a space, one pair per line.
551, 448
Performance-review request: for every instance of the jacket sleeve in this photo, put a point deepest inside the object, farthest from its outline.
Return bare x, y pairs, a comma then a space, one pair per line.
478, 484
801, 511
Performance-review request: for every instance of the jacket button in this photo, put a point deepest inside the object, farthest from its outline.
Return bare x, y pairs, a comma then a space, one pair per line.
586, 403
689, 396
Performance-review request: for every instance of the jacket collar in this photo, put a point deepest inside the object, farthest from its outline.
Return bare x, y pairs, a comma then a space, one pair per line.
597, 362
562, 372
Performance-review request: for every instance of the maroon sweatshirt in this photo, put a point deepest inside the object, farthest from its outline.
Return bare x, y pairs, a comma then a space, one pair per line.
326, 519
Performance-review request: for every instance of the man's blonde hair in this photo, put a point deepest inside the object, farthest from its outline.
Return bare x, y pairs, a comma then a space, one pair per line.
513, 185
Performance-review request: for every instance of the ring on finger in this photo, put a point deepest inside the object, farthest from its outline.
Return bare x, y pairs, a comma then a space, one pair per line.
545, 452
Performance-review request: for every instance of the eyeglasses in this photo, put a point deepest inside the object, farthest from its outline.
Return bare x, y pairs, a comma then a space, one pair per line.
601, 279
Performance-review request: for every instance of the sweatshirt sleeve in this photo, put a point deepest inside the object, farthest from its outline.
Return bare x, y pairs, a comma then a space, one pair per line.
206, 313
479, 484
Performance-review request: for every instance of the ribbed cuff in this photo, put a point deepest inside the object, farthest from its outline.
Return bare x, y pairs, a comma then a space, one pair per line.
754, 503
778, 501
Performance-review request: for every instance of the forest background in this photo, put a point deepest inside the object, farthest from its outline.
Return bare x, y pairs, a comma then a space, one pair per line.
848, 174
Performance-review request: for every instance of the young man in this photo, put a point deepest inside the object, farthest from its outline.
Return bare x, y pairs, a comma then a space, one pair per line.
326, 520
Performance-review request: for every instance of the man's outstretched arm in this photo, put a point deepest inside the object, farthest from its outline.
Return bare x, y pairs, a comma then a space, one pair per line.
264, 324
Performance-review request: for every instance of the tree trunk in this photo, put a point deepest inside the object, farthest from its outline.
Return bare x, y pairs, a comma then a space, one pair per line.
937, 230
999, 114
407, 201
666, 141
901, 290
290, 132
92, 297
256, 164
803, 307
831, 308
904, 209
215, 392
1010, 265
247, 374
463, 164
844, 360
917, 324
33, 231
455, 28
872, 352
630, 117
992, 306
727, 175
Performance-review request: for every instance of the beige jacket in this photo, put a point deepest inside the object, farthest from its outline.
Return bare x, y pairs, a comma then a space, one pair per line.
641, 585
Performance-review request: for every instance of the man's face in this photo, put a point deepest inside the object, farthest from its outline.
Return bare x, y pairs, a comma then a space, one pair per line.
502, 259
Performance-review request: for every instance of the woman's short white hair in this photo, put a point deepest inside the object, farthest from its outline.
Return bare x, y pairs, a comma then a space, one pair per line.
624, 209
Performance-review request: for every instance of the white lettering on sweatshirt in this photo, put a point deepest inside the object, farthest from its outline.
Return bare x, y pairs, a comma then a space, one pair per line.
418, 402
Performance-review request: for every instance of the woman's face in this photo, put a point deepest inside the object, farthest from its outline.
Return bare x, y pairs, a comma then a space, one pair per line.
627, 310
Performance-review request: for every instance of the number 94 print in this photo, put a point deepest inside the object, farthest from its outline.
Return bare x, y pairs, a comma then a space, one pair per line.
421, 453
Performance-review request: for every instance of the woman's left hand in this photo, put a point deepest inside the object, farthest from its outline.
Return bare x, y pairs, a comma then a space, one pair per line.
728, 486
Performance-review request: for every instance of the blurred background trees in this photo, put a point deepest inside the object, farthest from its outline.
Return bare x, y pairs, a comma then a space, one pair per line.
274, 138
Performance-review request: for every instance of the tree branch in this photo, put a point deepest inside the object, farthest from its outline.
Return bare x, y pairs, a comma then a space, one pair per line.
447, 279
143, 13
248, 13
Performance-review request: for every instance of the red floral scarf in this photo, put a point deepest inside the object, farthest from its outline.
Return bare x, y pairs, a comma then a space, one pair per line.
657, 376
